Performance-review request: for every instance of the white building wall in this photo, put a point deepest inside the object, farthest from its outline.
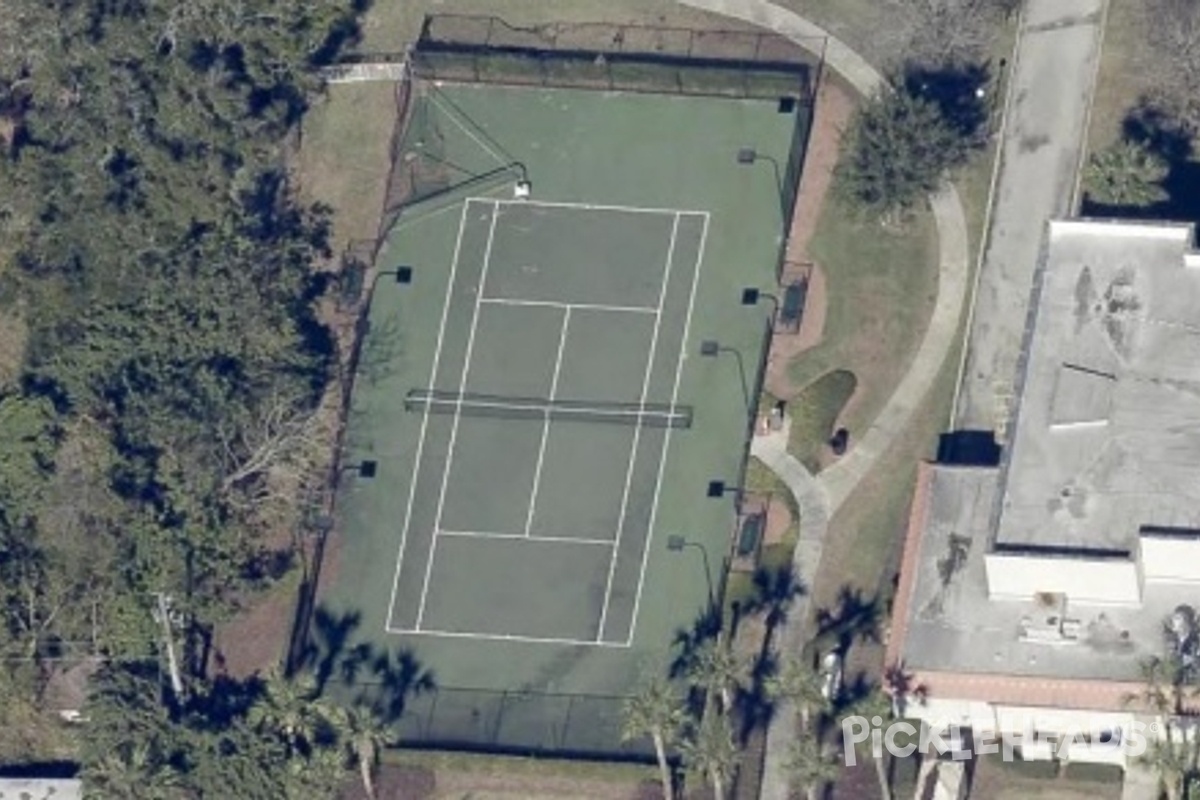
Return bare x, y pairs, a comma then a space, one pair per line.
1097, 582
1173, 559
1036, 733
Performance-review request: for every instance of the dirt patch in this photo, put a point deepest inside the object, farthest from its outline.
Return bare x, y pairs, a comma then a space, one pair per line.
394, 783
834, 104
256, 638
779, 519
453, 786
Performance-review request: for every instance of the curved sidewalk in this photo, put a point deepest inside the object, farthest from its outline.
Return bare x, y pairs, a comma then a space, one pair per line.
820, 497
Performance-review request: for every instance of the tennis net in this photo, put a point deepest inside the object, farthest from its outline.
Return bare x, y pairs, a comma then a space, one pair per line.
651, 415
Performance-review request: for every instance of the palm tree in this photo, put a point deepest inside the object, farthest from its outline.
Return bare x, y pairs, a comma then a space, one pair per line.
365, 735
801, 684
1166, 685
290, 709
875, 704
711, 753
902, 687
1126, 174
809, 766
656, 711
130, 773
718, 670
1174, 759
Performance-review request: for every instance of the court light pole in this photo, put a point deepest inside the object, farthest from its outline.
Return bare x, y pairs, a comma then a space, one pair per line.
677, 543
365, 469
752, 294
711, 348
400, 275
750, 155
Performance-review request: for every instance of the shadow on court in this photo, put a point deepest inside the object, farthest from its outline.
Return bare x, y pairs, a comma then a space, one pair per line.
384, 680
776, 590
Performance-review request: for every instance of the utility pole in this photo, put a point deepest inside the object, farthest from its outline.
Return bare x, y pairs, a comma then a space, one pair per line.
164, 617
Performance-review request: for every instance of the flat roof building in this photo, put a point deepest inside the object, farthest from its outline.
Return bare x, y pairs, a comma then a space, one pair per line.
1045, 582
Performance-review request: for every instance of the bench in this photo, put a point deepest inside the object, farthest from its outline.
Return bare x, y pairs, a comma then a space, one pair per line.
791, 311
750, 531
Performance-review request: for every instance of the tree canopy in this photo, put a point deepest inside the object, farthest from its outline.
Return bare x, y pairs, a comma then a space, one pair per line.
900, 145
160, 425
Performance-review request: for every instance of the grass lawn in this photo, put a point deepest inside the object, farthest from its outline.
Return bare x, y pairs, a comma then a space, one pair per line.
864, 537
881, 285
1126, 73
740, 586
867, 26
343, 158
433, 775
862, 545
814, 414
1130, 68
996, 779
390, 24
863, 542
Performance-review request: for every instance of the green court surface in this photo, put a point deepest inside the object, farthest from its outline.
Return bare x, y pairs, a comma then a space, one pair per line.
520, 555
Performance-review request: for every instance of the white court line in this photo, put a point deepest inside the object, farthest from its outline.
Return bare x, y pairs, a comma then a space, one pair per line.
508, 637
462, 385
522, 537
437, 355
595, 207
405, 221
662, 464
505, 301
637, 431
541, 456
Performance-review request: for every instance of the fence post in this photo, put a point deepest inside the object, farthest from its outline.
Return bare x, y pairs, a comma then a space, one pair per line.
494, 735
566, 723
426, 734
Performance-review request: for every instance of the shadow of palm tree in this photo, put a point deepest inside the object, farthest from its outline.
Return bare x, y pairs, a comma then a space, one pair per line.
384, 680
689, 642
853, 618
399, 677
776, 591
327, 646
688, 645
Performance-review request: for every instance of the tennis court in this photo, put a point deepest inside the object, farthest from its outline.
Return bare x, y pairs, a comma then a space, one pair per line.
551, 391
551, 401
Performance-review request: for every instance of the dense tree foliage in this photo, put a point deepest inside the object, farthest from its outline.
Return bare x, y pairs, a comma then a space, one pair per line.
900, 145
163, 419
256, 740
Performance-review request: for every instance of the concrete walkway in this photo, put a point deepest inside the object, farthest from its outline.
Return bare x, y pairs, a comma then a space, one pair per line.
1050, 90
813, 502
388, 72
819, 498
